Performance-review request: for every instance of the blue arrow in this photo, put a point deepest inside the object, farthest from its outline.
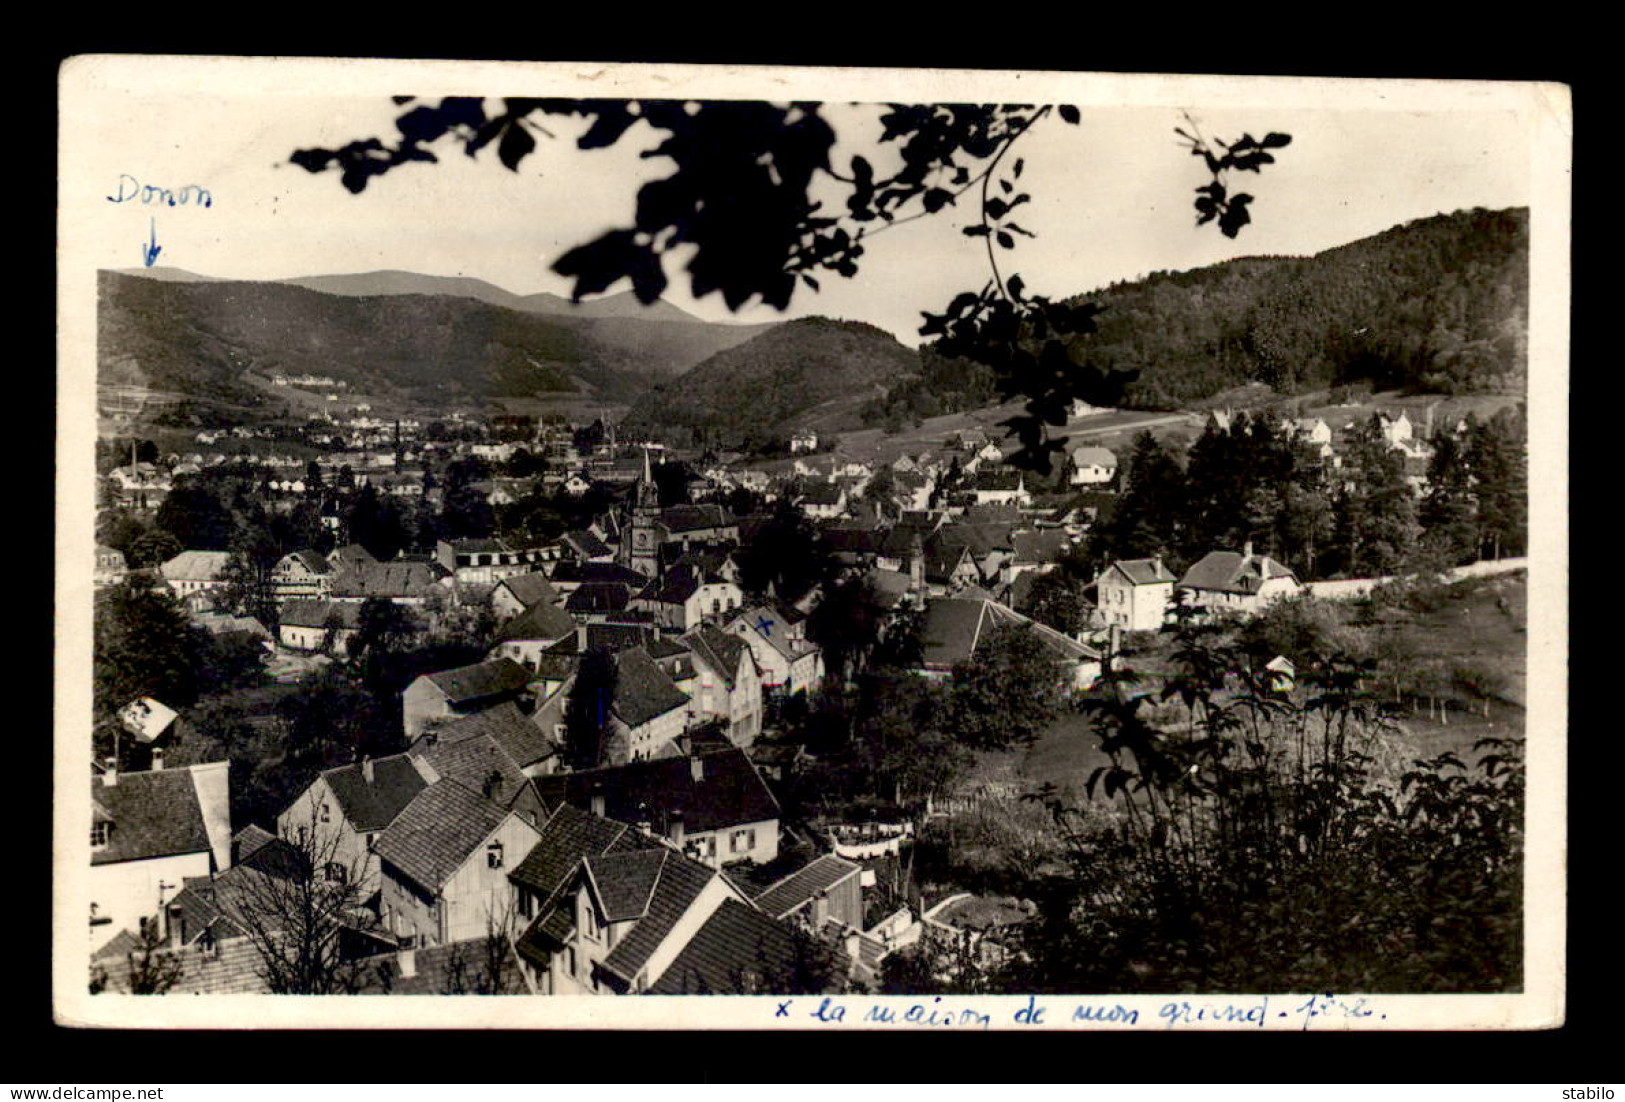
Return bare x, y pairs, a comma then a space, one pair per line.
150, 251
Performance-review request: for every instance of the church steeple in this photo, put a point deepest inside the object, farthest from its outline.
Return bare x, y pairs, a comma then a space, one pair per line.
643, 537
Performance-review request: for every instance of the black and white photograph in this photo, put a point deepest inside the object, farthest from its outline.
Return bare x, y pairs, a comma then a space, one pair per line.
828, 549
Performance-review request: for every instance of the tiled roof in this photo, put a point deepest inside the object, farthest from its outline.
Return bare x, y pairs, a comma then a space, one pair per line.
385, 579
583, 573
738, 951
311, 561
643, 691
478, 546
246, 841
479, 764
373, 805
195, 566
505, 726
954, 627
1092, 456
730, 791
530, 588
690, 518
1050, 545
308, 613
1233, 572
604, 636
602, 596
482, 679
435, 834
154, 814
586, 545
718, 650
569, 835
540, 621
798, 889
822, 493
680, 881
1143, 571
455, 968
624, 881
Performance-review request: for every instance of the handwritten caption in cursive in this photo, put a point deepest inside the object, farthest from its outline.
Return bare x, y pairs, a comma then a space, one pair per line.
132, 190
1255, 1012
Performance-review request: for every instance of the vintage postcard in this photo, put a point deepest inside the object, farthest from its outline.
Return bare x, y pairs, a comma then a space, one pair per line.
618, 546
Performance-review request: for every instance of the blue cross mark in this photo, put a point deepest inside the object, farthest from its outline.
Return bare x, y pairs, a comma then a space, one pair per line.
764, 625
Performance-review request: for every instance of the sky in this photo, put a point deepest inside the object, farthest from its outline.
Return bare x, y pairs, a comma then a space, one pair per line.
1111, 197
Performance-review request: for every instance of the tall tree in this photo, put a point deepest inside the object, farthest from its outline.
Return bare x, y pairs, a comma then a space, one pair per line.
587, 709
1377, 527
1499, 463
1008, 691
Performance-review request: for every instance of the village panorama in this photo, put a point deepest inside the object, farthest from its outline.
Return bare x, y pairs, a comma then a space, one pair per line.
452, 641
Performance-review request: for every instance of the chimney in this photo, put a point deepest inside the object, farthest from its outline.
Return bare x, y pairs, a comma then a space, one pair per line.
110, 777
820, 909
1247, 551
675, 829
597, 804
366, 770
696, 766
408, 960
157, 759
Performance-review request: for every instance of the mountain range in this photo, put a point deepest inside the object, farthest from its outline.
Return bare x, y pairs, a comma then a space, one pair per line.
1440, 304
426, 338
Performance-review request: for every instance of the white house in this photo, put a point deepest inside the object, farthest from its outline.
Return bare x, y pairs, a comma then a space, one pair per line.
1238, 582
1134, 594
195, 576
444, 863
1091, 466
344, 810
790, 662
149, 831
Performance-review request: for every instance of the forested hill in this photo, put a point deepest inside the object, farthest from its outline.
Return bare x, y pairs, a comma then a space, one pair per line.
769, 383
1439, 304
198, 337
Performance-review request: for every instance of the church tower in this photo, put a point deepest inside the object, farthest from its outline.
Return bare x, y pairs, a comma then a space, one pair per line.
643, 537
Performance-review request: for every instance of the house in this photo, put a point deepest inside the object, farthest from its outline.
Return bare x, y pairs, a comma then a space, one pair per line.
691, 524
196, 576
480, 560
513, 595
825, 889
460, 691
790, 662
728, 683
443, 865
110, 566
527, 635
454, 968
1091, 466
301, 574
509, 734
648, 710
956, 626
402, 582
344, 810
624, 919
803, 442
1134, 594
822, 501
149, 831
310, 625
586, 547
1238, 582
348, 556
146, 719
712, 805
999, 486
686, 596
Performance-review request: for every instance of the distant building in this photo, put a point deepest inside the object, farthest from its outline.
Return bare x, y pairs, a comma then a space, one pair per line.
1238, 581
461, 691
196, 576
1091, 466
1134, 594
